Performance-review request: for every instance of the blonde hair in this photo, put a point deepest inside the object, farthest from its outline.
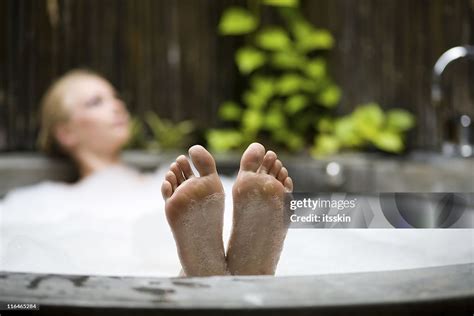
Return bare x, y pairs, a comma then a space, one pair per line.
53, 110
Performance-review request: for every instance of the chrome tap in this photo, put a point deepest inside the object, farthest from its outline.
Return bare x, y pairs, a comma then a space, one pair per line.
461, 127
438, 69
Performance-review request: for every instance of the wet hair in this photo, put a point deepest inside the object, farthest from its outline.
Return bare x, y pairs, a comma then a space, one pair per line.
54, 110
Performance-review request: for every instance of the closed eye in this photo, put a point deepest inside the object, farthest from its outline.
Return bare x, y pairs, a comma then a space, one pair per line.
94, 101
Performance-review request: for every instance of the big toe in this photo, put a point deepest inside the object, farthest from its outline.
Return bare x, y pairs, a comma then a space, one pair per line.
202, 160
252, 158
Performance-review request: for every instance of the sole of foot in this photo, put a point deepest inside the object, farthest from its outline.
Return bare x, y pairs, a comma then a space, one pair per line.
260, 222
194, 208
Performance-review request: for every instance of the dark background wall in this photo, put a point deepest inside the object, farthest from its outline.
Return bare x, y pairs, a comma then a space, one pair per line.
166, 55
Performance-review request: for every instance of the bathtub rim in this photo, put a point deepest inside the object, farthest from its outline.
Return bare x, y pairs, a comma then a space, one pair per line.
432, 286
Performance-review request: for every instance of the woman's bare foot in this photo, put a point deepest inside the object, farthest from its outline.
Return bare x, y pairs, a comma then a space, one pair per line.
260, 223
195, 208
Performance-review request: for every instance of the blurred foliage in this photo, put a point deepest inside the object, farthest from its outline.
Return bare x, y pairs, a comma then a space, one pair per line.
290, 96
155, 133
138, 137
366, 125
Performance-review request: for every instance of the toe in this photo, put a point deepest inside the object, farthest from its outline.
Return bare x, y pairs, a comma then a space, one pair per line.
252, 158
268, 161
177, 172
288, 184
166, 189
184, 165
171, 178
202, 160
282, 175
276, 168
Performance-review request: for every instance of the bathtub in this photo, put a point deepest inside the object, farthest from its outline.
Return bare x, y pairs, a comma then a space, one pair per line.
435, 274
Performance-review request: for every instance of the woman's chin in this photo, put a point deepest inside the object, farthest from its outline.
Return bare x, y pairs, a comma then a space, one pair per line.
111, 146
122, 140
120, 134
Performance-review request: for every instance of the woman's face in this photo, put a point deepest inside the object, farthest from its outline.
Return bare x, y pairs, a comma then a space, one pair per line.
98, 120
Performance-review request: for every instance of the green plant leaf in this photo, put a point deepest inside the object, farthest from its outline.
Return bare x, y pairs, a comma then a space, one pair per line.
137, 134
237, 21
300, 27
282, 3
290, 16
167, 134
230, 111
319, 39
252, 120
254, 100
185, 127
330, 96
263, 86
368, 120
310, 85
275, 119
309, 38
296, 103
315, 68
345, 131
293, 141
248, 59
389, 141
262, 89
400, 120
289, 83
325, 145
325, 125
221, 140
273, 38
288, 59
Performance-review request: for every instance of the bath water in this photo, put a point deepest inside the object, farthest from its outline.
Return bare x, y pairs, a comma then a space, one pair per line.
113, 223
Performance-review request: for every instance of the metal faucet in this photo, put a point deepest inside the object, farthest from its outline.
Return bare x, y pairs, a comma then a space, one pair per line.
461, 144
438, 69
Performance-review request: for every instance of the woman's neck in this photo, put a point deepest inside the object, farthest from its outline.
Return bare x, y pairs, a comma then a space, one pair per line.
90, 162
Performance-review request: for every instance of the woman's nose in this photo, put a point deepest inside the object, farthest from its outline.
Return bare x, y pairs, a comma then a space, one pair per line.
119, 106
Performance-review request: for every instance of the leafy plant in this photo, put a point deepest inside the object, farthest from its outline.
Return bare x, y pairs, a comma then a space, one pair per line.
138, 137
366, 125
168, 135
290, 96
165, 134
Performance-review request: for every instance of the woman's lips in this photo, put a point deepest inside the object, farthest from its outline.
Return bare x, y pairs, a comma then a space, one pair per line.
121, 123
